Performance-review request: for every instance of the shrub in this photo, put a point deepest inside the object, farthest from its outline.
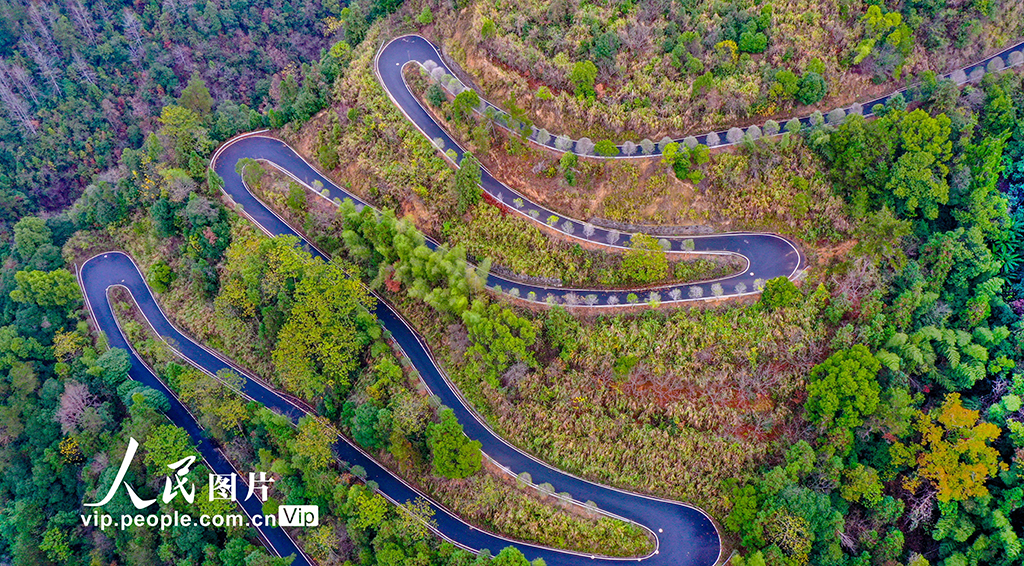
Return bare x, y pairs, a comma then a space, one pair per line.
753, 132
647, 146
712, 140
793, 125
771, 127
734, 135
1015, 58
958, 76
665, 244
690, 142
996, 65
645, 260
688, 244
563, 143
628, 148
584, 146
664, 143
425, 17
606, 148
488, 29
817, 119
789, 82
542, 136
779, 293
544, 93
436, 96
836, 117
856, 109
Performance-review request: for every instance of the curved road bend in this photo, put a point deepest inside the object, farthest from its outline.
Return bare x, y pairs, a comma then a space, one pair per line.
768, 256
686, 537
414, 48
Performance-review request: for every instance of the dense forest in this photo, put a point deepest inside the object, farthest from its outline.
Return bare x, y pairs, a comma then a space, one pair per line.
871, 413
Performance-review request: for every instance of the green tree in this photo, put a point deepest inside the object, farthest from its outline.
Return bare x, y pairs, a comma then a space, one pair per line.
464, 104
454, 455
30, 233
318, 346
583, 75
196, 97
954, 451
184, 131
510, 556
753, 42
56, 545
843, 390
56, 288
165, 445
812, 88
880, 236
466, 183
312, 446
645, 261
923, 153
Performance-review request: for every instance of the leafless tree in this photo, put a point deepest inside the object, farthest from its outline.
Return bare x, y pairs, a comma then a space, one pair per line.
637, 37
41, 22
133, 30
44, 62
73, 402
920, 507
23, 78
83, 69
16, 106
103, 12
83, 19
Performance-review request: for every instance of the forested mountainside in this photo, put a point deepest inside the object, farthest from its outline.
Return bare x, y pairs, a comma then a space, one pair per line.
81, 81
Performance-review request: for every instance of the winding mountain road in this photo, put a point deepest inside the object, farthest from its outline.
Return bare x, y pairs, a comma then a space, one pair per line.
685, 536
